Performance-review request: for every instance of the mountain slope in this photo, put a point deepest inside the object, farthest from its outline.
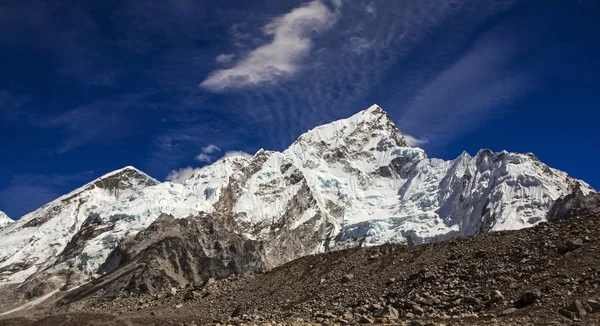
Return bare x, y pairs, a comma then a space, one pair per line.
534, 276
351, 182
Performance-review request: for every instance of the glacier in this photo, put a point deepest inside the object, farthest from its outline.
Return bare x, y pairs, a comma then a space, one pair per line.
354, 181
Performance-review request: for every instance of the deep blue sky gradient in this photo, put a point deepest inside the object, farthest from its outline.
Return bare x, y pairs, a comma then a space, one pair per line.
91, 86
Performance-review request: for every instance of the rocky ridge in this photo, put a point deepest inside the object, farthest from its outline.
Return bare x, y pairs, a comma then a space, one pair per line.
353, 182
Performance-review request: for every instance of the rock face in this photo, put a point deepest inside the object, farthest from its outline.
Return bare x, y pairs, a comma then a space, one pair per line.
174, 253
577, 203
347, 183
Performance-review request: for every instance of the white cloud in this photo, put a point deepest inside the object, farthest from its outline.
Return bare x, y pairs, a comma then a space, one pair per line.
224, 58
370, 9
238, 153
204, 158
210, 149
359, 45
415, 142
291, 42
179, 176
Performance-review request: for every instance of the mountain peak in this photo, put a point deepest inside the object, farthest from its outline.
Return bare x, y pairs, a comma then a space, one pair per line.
123, 178
374, 108
365, 130
4, 219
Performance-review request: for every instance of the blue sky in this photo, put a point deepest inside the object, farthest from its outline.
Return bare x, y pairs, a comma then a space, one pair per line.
87, 87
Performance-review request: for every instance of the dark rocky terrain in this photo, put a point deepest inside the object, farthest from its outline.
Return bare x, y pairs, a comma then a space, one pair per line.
548, 274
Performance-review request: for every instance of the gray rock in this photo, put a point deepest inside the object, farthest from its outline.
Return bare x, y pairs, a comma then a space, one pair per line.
392, 313
574, 244
210, 282
348, 316
417, 310
347, 278
473, 301
496, 296
508, 311
528, 298
594, 305
577, 308
366, 320
388, 312
566, 313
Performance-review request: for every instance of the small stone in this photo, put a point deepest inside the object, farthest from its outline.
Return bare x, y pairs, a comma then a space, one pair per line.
238, 311
577, 308
566, 313
392, 313
414, 323
347, 278
574, 244
410, 315
417, 310
496, 296
173, 291
508, 311
178, 306
366, 320
473, 301
527, 298
594, 305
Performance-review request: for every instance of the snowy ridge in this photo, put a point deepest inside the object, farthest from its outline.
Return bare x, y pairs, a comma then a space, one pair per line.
354, 180
5, 220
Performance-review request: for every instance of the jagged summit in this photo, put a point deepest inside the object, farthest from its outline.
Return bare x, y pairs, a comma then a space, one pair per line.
5, 220
127, 172
124, 178
368, 130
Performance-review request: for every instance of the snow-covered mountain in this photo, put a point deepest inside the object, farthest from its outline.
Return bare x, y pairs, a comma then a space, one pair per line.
4, 219
352, 181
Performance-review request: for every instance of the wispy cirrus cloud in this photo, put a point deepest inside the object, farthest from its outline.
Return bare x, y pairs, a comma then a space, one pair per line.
13, 106
357, 63
224, 58
291, 42
473, 89
101, 120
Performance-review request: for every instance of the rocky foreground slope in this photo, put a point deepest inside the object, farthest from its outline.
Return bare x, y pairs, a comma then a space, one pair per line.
547, 274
